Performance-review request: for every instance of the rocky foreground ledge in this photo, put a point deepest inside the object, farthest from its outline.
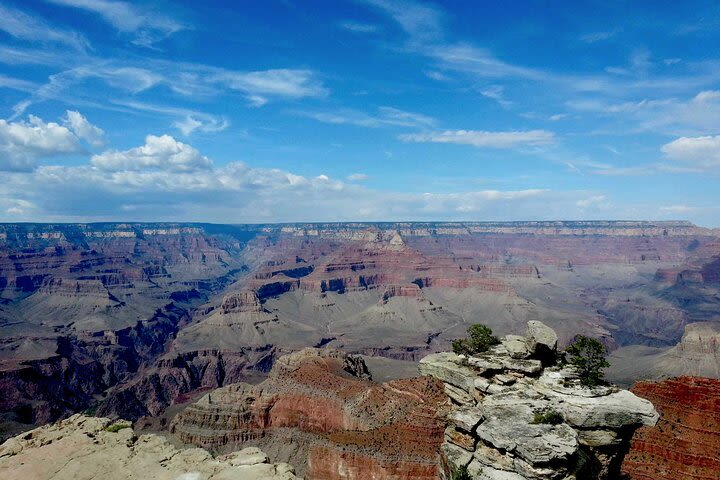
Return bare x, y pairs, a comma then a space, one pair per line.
86, 448
501, 400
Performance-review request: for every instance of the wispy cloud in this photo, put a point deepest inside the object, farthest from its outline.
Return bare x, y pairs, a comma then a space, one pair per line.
497, 93
673, 115
357, 177
357, 27
385, 117
484, 139
599, 36
258, 85
186, 120
26, 27
420, 21
145, 26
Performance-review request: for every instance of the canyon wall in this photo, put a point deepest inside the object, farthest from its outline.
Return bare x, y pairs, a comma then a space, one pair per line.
685, 443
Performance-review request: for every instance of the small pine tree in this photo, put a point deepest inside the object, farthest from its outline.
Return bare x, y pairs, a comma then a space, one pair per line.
461, 473
480, 339
587, 355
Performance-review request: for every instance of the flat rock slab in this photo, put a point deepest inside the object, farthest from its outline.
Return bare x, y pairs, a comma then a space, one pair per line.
446, 367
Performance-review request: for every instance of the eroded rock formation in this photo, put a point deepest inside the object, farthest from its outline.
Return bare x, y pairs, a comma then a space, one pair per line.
318, 409
514, 420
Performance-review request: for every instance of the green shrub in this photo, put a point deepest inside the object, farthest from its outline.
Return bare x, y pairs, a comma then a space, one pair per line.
479, 339
461, 473
548, 416
587, 355
116, 427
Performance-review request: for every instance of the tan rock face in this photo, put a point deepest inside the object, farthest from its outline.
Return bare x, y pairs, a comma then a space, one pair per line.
686, 441
89, 448
351, 427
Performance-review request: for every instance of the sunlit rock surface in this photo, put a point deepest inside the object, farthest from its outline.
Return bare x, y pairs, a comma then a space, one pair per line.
85, 448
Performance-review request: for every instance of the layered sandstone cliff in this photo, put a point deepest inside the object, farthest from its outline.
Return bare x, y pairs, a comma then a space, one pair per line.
685, 444
87, 448
319, 409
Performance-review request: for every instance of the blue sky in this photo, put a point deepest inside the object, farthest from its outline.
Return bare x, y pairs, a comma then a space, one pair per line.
359, 110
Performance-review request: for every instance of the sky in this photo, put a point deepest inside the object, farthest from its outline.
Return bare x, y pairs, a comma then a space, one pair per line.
359, 110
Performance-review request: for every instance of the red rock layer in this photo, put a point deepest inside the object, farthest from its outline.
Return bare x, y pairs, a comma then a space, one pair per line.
685, 444
353, 428
358, 265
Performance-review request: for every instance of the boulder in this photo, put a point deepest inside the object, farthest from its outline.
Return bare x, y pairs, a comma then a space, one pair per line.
541, 341
615, 411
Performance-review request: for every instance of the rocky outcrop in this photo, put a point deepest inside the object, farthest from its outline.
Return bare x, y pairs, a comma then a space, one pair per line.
685, 443
514, 419
316, 410
99, 448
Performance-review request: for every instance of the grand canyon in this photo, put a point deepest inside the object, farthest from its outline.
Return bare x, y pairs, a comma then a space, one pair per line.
200, 332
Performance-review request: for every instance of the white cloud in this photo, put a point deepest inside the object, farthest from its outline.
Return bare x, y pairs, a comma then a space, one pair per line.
386, 116
497, 93
697, 152
192, 123
418, 20
357, 27
24, 27
599, 36
358, 177
147, 27
167, 180
187, 121
695, 115
478, 138
17, 84
677, 208
159, 153
84, 129
21, 143
596, 201
283, 82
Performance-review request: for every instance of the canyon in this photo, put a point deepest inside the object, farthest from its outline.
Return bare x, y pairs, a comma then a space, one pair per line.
133, 321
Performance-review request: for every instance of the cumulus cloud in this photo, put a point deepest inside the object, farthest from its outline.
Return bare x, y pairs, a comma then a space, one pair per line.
484, 139
84, 129
168, 180
159, 153
702, 153
146, 27
21, 143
